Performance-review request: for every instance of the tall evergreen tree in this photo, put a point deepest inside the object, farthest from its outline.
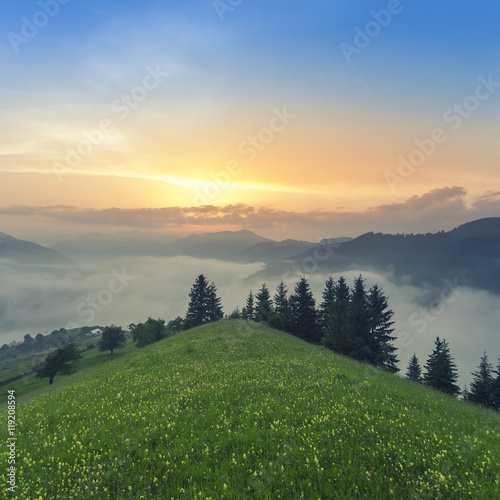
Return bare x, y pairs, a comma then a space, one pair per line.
281, 304
197, 313
326, 304
204, 305
481, 387
303, 314
236, 314
380, 339
465, 393
358, 323
280, 299
495, 390
214, 307
414, 371
336, 336
249, 308
441, 370
263, 306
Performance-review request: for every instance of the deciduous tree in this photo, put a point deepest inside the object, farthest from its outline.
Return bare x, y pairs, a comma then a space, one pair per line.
113, 337
61, 361
153, 330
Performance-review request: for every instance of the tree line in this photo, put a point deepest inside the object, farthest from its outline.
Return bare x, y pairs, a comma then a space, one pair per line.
355, 322
441, 374
352, 321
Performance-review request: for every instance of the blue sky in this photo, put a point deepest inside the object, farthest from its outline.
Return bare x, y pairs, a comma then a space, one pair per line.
355, 119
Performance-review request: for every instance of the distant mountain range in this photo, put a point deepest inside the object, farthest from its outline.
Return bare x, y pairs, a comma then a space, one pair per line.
26, 252
468, 255
237, 246
225, 245
240, 246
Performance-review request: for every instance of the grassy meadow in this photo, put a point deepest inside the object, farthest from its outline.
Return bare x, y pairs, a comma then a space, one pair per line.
237, 410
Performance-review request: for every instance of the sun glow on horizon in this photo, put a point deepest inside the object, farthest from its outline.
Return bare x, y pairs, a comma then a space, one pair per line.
209, 185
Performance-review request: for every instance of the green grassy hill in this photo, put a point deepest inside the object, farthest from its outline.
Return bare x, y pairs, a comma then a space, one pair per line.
237, 410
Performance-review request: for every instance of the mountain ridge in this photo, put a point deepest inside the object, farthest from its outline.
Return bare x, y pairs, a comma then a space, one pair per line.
469, 253
28, 252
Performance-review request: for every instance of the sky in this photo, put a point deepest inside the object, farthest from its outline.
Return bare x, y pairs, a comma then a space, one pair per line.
293, 119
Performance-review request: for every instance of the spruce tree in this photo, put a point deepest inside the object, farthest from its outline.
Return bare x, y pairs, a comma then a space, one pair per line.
236, 314
326, 304
214, 306
481, 387
263, 306
197, 313
358, 324
280, 299
495, 389
281, 305
336, 336
380, 340
249, 308
303, 314
204, 305
414, 371
465, 393
441, 370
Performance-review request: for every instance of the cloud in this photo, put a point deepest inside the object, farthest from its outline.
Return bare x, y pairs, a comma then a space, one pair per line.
449, 197
105, 291
439, 209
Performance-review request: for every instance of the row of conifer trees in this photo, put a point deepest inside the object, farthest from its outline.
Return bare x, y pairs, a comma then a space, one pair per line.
441, 374
355, 322
351, 321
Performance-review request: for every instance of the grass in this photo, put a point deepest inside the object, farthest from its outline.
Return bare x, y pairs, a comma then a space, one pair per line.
237, 410
30, 387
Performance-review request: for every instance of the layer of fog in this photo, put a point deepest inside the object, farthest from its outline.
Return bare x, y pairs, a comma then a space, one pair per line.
128, 290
